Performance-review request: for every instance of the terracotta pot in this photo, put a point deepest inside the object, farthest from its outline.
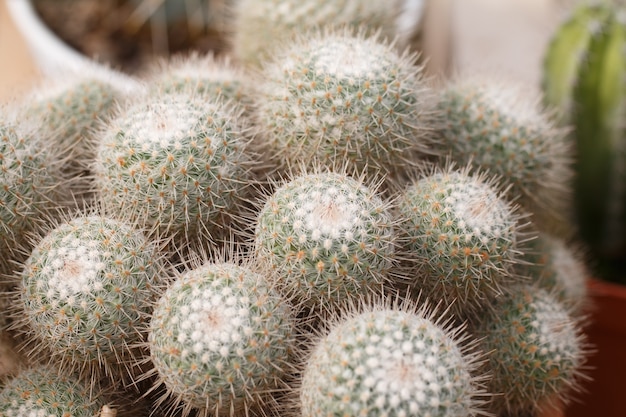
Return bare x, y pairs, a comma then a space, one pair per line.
606, 393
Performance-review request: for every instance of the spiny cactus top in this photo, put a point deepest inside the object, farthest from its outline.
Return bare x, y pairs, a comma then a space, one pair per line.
263, 24
494, 129
389, 362
337, 97
176, 162
220, 339
327, 236
459, 235
87, 289
537, 350
44, 392
201, 74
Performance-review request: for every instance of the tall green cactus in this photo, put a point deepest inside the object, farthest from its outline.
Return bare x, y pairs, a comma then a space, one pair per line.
585, 78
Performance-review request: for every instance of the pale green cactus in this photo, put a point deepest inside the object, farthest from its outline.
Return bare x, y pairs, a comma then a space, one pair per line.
220, 340
86, 292
392, 362
339, 99
493, 127
328, 237
176, 163
460, 237
537, 351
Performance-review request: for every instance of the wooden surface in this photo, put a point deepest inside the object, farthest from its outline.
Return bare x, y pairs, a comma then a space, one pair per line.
17, 69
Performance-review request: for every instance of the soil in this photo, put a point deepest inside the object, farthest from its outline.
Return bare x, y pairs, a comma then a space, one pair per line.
106, 31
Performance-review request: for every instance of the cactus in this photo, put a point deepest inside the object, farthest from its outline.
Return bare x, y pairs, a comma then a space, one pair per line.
328, 237
261, 24
220, 338
461, 235
536, 351
584, 78
29, 174
178, 163
558, 267
336, 97
87, 289
200, 74
44, 391
392, 362
494, 128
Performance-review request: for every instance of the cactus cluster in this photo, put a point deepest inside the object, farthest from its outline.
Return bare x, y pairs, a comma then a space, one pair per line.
345, 189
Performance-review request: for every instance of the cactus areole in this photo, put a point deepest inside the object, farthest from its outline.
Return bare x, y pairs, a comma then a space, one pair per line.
584, 77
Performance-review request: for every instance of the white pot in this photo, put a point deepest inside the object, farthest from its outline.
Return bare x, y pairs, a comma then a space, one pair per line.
52, 55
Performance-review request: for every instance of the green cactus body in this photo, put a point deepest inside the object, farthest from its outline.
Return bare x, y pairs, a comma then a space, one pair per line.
328, 237
537, 351
28, 168
336, 97
44, 392
200, 74
552, 265
461, 236
488, 126
389, 362
584, 77
260, 24
177, 163
87, 289
220, 339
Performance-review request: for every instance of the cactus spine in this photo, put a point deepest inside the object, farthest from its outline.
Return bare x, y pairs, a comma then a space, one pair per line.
220, 340
584, 77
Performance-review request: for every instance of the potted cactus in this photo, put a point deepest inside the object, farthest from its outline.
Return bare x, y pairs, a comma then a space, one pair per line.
297, 239
584, 80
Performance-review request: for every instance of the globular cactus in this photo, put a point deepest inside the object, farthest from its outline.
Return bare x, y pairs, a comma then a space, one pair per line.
460, 237
200, 74
44, 391
336, 97
220, 339
537, 351
557, 267
30, 169
261, 24
493, 127
70, 108
86, 292
177, 163
584, 78
328, 237
387, 361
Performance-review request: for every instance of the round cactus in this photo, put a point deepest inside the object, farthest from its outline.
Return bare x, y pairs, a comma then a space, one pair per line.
44, 391
177, 163
536, 351
460, 237
336, 97
259, 24
494, 128
391, 362
328, 237
200, 74
220, 338
556, 267
87, 289
29, 172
